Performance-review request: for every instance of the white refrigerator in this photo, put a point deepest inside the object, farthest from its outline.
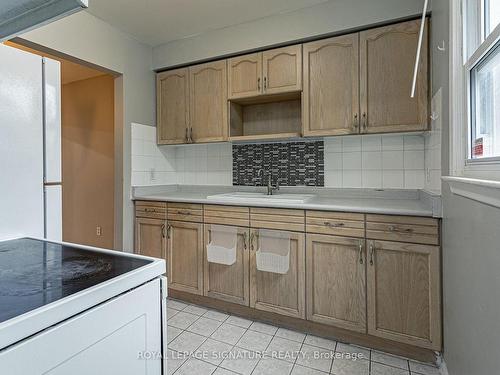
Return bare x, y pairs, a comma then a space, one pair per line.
30, 145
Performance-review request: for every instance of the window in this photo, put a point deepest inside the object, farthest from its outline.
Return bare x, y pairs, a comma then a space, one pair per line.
482, 68
485, 106
491, 15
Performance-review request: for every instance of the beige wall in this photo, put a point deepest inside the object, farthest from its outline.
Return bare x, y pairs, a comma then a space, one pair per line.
88, 38
325, 18
88, 161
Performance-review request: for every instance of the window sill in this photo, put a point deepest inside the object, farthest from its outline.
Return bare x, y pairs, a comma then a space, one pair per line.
484, 191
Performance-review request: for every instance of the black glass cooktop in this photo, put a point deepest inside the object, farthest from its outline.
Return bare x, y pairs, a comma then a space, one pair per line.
34, 273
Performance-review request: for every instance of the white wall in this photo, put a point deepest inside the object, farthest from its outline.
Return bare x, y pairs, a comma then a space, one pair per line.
90, 39
324, 18
471, 293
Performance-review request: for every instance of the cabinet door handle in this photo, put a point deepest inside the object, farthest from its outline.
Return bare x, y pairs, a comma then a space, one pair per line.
265, 83
169, 231
209, 235
393, 228
191, 135
360, 252
245, 246
334, 225
364, 123
187, 135
258, 83
372, 251
163, 230
355, 124
251, 241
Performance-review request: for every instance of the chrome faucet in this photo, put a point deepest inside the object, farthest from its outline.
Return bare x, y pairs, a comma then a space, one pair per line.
270, 187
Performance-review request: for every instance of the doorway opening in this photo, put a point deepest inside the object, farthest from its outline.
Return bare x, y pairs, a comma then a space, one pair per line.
91, 150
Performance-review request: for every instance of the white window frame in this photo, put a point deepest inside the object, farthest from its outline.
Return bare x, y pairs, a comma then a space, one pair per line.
460, 108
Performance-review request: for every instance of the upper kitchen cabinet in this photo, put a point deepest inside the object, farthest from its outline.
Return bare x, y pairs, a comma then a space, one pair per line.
208, 102
331, 81
282, 70
265, 95
172, 95
387, 59
245, 76
271, 72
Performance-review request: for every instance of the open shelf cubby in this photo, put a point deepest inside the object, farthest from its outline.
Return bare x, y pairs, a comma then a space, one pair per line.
265, 120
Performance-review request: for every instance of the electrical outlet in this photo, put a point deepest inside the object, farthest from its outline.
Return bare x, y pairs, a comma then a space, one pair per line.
98, 230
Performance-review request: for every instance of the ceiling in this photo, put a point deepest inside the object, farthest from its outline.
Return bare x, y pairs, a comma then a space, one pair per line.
155, 22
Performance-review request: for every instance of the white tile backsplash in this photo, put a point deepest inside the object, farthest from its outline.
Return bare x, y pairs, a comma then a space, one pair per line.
375, 161
204, 164
432, 147
151, 165
368, 161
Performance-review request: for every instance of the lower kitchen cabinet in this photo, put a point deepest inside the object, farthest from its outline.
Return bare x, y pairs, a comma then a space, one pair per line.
368, 281
279, 293
404, 293
228, 282
150, 237
336, 281
185, 256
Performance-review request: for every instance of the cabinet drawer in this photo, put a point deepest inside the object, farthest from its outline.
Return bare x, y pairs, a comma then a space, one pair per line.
152, 210
403, 229
276, 218
226, 215
336, 223
185, 212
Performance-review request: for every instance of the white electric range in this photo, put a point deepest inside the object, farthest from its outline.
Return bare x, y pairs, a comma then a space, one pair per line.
72, 309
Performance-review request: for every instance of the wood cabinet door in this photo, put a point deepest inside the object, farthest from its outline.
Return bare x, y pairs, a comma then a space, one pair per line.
150, 237
330, 99
336, 281
282, 70
245, 76
279, 293
172, 95
387, 61
224, 282
208, 102
185, 256
404, 293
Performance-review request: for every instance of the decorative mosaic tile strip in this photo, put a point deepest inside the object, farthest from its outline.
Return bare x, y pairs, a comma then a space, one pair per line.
291, 164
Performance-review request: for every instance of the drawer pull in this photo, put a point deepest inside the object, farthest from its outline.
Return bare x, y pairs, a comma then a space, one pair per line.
183, 213
334, 225
372, 251
394, 228
149, 209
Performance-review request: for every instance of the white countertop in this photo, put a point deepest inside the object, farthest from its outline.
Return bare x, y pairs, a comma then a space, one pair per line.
390, 202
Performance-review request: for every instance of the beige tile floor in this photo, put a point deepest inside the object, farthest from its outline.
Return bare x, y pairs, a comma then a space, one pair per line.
203, 341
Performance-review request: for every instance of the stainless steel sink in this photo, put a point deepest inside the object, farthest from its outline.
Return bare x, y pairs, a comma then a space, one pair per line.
261, 198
